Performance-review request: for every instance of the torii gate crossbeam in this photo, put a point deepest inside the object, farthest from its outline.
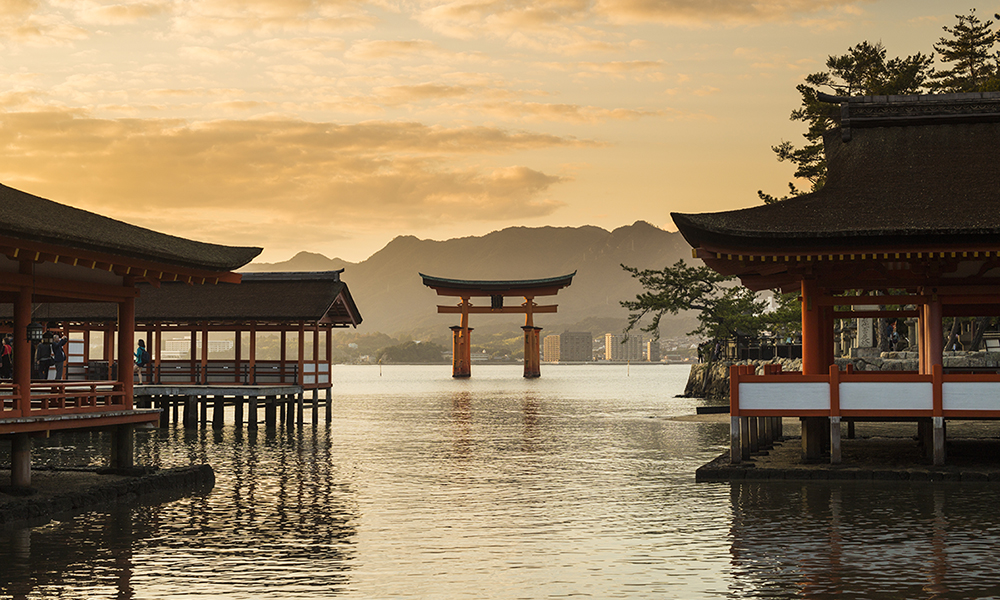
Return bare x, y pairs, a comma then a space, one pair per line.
496, 291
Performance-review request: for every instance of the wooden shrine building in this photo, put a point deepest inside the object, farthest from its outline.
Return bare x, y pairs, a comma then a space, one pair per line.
272, 328
496, 291
911, 208
52, 253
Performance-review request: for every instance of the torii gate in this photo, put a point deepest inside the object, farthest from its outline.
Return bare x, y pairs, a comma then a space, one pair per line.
496, 290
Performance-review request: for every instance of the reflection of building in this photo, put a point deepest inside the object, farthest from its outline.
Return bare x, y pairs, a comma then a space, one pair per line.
551, 348
618, 347
576, 346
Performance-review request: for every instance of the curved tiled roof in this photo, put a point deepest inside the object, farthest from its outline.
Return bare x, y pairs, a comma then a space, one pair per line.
314, 297
27, 217
917, 171
497, 285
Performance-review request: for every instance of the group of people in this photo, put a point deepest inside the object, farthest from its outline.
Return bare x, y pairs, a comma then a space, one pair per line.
49, 357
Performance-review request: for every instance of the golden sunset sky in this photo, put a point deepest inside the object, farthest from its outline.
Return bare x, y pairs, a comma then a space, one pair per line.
333, 126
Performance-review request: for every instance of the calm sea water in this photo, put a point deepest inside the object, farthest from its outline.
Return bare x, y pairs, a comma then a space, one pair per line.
573, 485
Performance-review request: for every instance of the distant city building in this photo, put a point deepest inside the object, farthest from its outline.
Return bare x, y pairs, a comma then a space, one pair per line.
551, 348
576, 346
617, 348
653, 350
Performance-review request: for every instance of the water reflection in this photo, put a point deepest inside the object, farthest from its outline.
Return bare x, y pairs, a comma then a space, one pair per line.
881, 540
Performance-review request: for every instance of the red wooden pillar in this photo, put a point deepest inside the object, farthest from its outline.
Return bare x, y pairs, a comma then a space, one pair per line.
253, 354
812, 325
126, 338
935, 333
281, 355
204, 353
813, 363
22, 347
301, 375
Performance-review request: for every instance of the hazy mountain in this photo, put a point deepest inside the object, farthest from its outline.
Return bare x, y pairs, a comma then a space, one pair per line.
392, 299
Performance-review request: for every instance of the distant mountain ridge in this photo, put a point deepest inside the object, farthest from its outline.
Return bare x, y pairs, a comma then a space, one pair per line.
392, 299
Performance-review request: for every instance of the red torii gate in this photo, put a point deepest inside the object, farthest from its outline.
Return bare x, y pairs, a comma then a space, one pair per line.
461, 361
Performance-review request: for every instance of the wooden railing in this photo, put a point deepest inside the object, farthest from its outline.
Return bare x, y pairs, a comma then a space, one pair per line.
63, 398
315, 374
863, 394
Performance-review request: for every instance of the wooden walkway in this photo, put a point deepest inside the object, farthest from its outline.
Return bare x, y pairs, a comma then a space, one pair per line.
189, 404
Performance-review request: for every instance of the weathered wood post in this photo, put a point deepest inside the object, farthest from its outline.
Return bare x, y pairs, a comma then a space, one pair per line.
20, 460
218, 412
270, 412
252, 413
191, 412
238, 410
122, 447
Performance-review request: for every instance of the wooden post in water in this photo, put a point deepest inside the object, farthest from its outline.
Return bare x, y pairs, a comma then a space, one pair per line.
203, 409
238, 410
191, 412
20, 460
329, 402
252, 413
219, 412
271, 412
163, 403
122, 447
315, 406
300, 408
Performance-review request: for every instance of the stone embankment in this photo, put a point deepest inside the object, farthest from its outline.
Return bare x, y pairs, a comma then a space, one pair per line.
59, 493
711, 380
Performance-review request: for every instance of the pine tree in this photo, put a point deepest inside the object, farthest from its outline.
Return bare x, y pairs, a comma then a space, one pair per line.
970, 51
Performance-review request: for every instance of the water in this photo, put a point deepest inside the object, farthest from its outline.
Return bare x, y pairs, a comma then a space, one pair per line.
573, 485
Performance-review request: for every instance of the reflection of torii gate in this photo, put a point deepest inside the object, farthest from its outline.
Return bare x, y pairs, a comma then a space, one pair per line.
496, 290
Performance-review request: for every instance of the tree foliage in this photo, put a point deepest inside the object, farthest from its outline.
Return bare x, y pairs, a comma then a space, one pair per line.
724, 310
970, 52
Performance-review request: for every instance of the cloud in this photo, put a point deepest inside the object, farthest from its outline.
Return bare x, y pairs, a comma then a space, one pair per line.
267, 17
400, 175
116, 12
706, 12
567, 113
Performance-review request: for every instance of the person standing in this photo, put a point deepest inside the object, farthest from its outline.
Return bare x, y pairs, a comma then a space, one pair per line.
59, 354
43, 357
7, 358
141, 359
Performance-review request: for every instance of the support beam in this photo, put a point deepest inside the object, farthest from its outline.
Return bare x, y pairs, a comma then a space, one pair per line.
218, 412
735, 448
20, 460
939, 441
834, 440
122, 447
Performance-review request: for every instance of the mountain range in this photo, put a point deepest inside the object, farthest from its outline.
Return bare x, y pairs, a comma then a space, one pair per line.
392, 299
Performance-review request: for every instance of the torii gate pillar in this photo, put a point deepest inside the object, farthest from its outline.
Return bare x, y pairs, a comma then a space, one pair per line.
461, 351
532, 354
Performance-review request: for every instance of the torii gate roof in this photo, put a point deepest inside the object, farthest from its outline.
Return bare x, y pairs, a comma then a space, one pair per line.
513, 287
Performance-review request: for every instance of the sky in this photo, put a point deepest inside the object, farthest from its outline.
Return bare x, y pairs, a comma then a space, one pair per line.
333, 126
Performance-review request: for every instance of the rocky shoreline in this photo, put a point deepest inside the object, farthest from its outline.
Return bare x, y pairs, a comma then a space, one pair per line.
61, 492
711, 380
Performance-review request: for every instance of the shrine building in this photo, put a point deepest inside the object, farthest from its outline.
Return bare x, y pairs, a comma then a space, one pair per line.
52, 253
907, 225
